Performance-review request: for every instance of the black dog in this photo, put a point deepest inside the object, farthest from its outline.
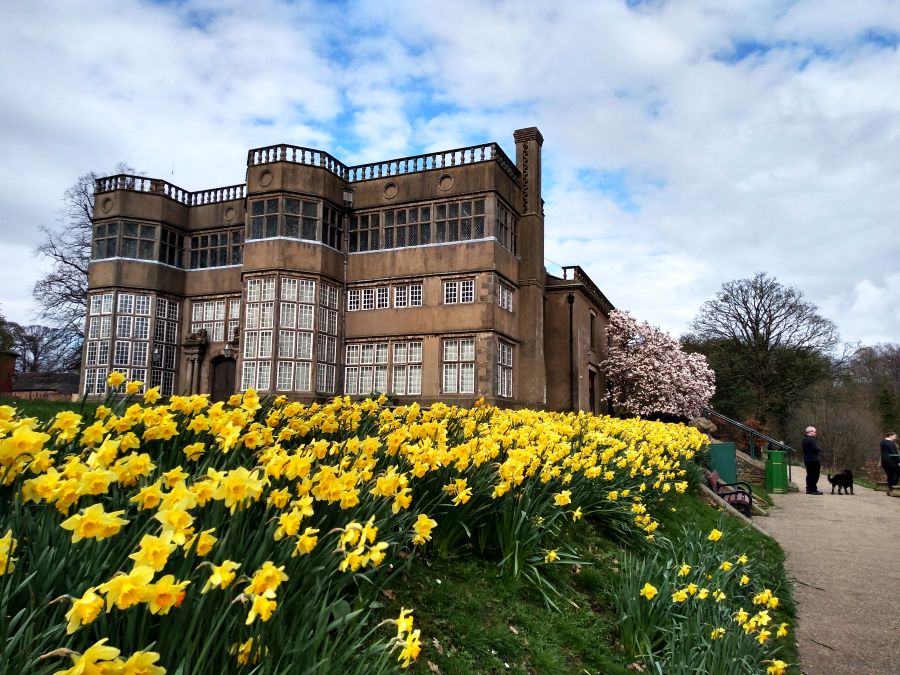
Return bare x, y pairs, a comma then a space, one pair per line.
843, 481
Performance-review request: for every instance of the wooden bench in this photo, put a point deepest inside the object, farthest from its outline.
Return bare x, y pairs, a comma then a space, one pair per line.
739, 494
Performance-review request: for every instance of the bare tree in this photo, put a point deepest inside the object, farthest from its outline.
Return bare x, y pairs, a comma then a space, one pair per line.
849, 429
61, 294
44, 349
875, 370
775, 341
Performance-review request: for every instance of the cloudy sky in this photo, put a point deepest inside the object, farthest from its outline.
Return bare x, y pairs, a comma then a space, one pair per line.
687, 143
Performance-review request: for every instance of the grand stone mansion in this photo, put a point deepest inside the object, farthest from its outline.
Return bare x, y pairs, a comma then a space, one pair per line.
421, 276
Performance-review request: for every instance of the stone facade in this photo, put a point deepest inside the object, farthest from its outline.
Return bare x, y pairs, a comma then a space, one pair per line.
420, 276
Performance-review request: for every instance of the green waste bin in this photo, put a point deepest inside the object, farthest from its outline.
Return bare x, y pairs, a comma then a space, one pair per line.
776, 471
722, 459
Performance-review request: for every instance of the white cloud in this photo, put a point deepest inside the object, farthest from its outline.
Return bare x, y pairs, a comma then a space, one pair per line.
785, 161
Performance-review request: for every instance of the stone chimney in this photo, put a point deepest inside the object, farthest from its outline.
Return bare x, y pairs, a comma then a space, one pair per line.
532, 382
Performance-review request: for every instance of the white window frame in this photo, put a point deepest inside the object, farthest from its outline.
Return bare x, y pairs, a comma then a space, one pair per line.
353, 300
415, 295
289, 289
504, 369
306, 291
284, 380
504, 296
253, 290
368, 298
305, 317
382, 299
302, 373
401, 296
458, 366
304, 345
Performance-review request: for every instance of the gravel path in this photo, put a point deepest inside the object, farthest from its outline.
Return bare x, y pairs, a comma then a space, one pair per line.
842, 552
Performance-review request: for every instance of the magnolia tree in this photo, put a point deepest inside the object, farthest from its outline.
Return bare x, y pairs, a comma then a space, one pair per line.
650, 372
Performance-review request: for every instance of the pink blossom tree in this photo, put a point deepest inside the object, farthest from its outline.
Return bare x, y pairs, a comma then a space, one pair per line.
651, 374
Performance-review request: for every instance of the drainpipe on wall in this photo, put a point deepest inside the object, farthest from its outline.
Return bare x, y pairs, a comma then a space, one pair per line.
574, 383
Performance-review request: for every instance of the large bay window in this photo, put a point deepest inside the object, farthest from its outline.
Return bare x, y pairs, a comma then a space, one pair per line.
119, 330
297, 219
289, 326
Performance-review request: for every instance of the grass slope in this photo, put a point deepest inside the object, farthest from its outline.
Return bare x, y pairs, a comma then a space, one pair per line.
474, 621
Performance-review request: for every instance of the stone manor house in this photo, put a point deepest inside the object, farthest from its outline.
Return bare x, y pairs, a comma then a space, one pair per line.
421, 276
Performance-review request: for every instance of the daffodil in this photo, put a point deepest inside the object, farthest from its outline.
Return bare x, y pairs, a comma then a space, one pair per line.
154, 552
261, 607
266, 579
563, 498
422, 528
306, 542
126, 590
222, 575
7, 548
648, 591
84, 610
95, 660
94, 523
142, 663
165, 594
411, 648
115, 379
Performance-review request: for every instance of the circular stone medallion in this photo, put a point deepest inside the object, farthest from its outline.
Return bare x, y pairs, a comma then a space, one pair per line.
445, 182
390, 190
106, 206
229, 213
265, 178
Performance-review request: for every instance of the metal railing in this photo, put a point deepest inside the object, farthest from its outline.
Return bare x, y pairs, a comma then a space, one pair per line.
752, 435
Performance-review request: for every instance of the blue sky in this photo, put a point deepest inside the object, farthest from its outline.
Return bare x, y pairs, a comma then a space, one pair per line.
686, 143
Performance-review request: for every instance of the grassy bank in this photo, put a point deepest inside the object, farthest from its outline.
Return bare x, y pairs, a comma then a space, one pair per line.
487, 624
301, 536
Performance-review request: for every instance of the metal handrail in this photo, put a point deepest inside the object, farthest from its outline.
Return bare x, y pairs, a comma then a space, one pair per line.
751, 435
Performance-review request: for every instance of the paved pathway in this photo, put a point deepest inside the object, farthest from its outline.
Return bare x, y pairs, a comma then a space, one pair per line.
844, 553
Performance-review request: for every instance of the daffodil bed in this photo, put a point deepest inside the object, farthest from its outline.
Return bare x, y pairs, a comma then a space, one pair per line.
256, 536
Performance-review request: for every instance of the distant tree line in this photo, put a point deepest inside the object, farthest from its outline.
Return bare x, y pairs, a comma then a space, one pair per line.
780, 366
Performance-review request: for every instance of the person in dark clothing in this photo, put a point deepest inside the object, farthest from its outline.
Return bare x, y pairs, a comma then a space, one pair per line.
890, 459
812, 459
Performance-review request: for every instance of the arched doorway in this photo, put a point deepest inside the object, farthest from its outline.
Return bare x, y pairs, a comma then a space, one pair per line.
222, 378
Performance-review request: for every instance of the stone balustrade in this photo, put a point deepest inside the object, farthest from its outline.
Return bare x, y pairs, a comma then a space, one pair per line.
434, 160
443, 159
391, 167
296, 155
180, 195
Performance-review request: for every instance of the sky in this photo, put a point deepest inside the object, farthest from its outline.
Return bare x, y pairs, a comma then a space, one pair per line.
686, 143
